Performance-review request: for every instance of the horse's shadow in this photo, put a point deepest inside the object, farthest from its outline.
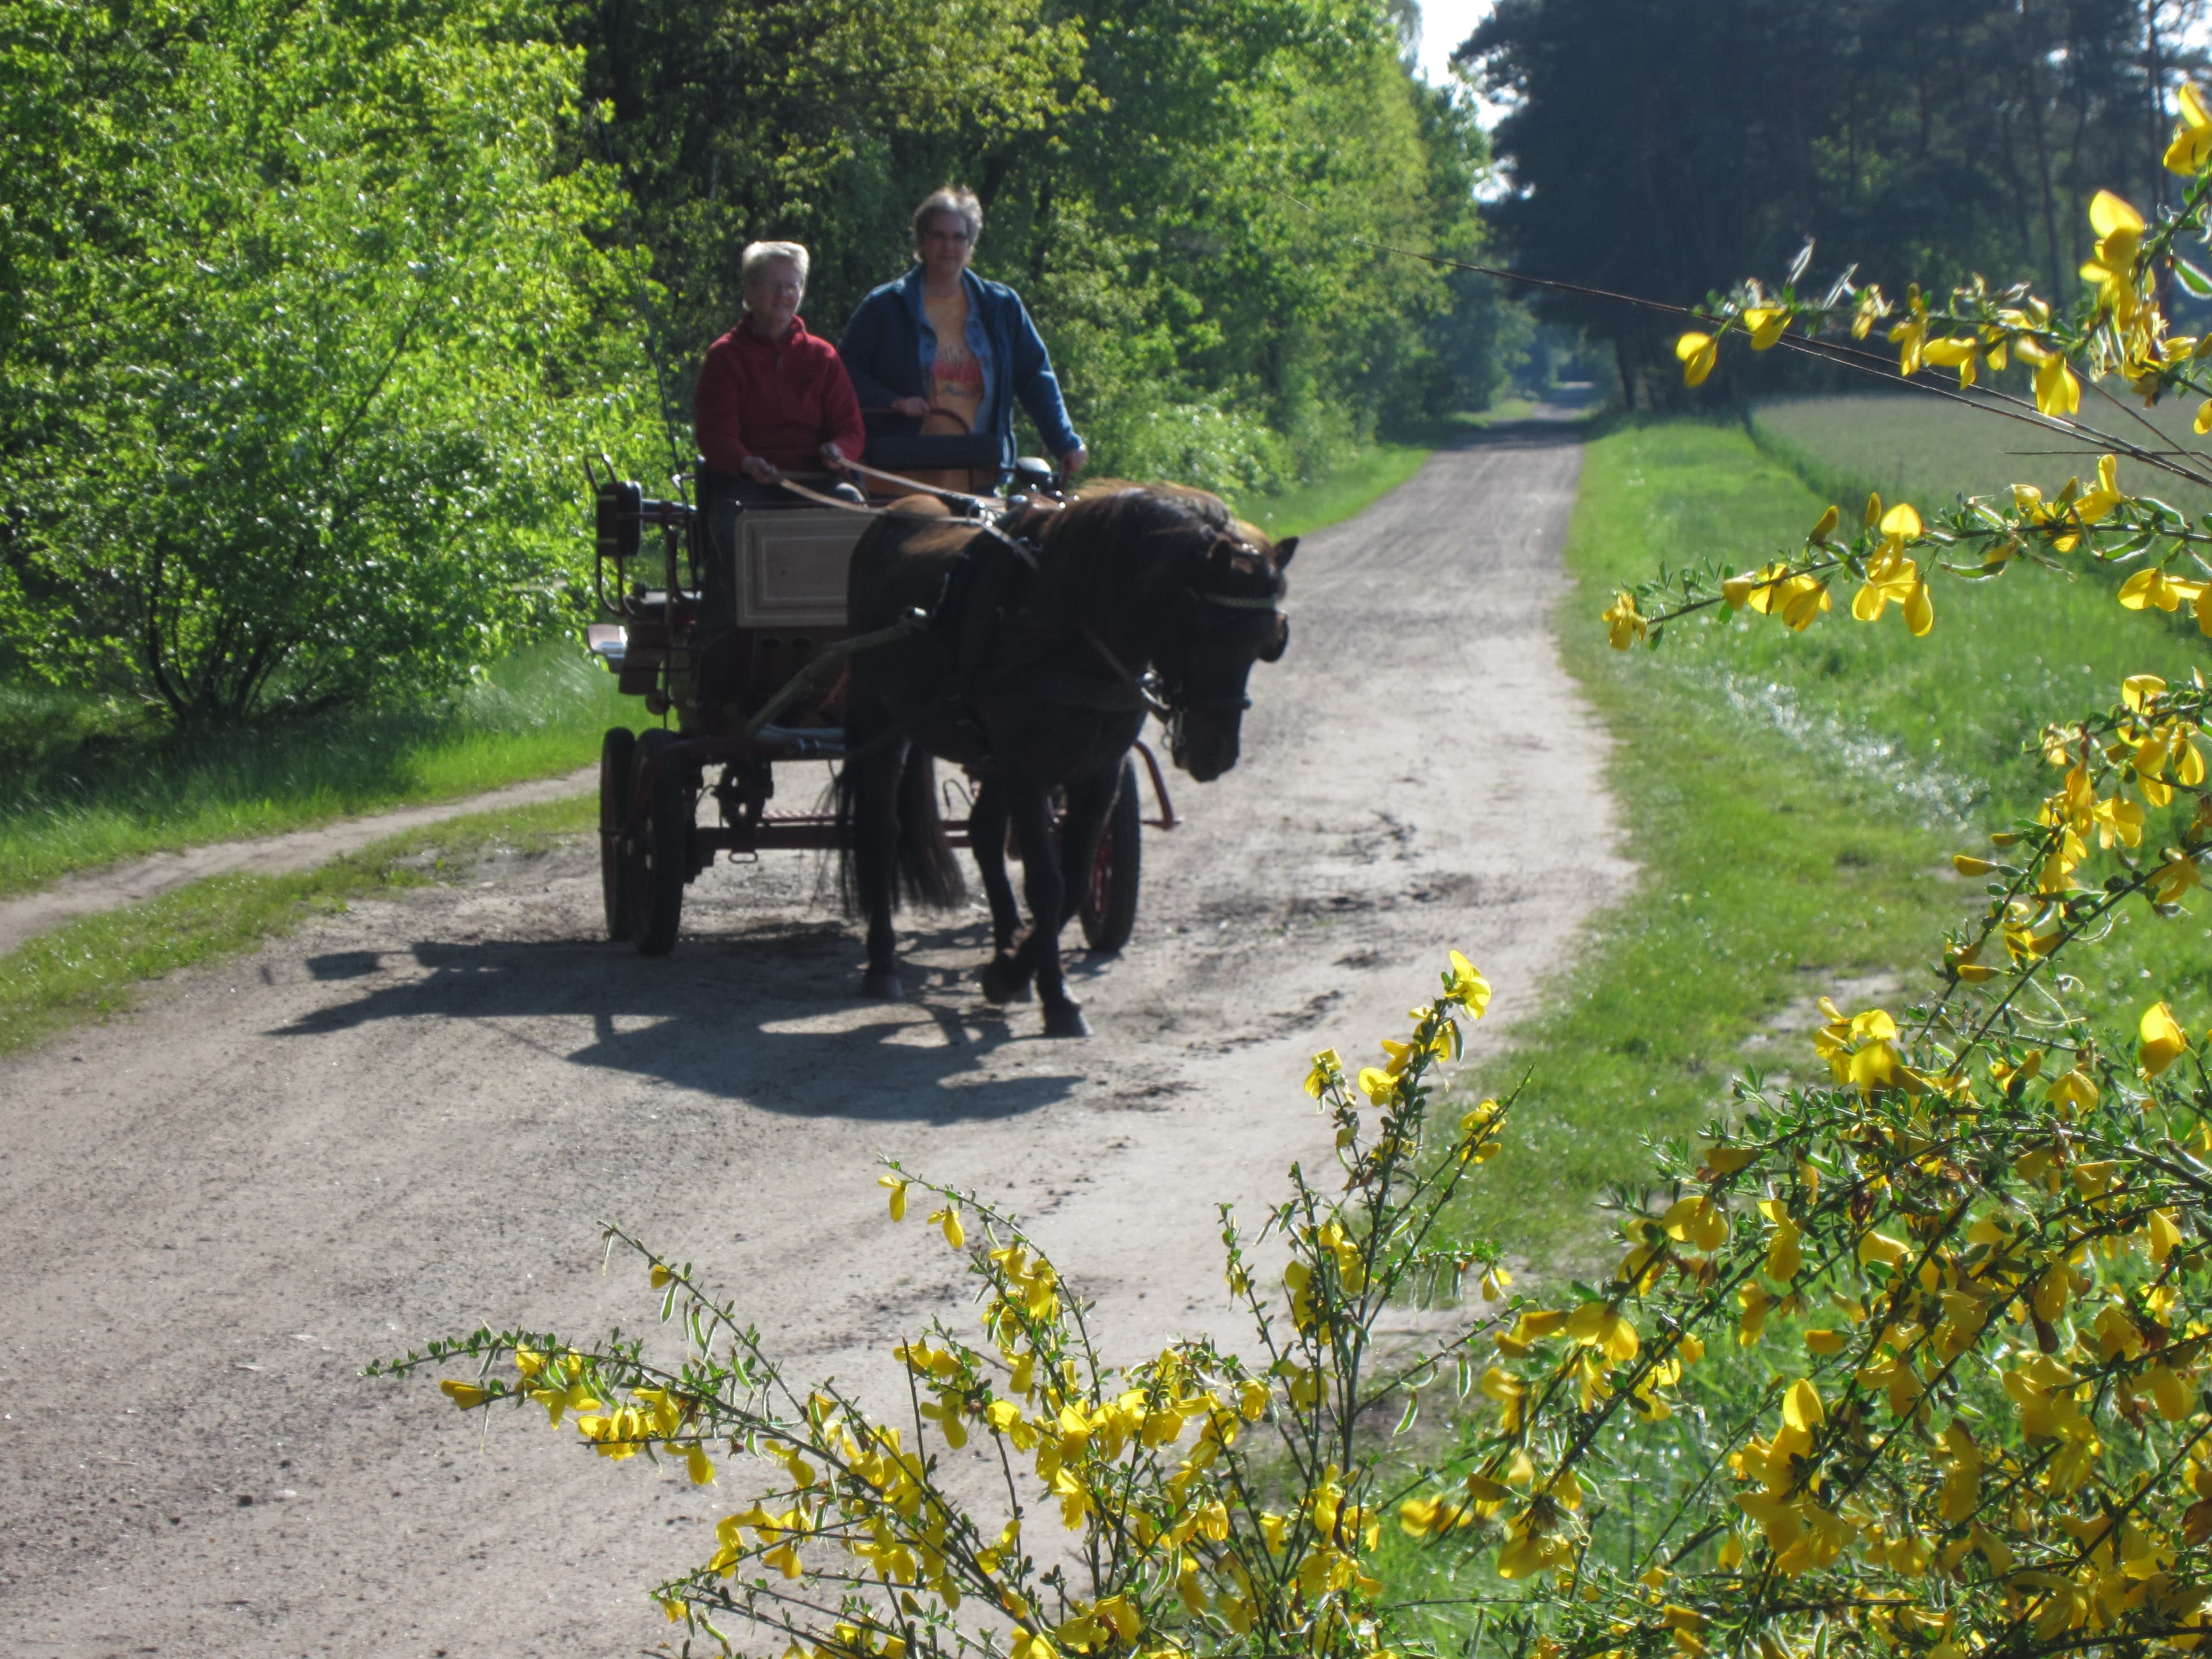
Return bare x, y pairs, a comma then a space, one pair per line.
768, 1015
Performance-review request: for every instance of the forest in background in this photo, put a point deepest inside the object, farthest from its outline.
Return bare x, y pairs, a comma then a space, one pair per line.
1139, 163
1668, 147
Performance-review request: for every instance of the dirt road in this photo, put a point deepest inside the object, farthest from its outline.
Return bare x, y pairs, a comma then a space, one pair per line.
413, 1117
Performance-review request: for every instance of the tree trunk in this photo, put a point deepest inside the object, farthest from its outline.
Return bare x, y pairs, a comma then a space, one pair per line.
2027, 57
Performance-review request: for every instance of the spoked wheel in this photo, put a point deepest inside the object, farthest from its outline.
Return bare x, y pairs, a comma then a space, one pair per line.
662, 863
617, 768
1109, 898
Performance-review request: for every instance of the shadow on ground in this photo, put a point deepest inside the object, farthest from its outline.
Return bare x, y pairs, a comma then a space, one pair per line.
770, 1015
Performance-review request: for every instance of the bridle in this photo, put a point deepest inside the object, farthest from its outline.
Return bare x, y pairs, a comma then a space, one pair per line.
1163, 694
1208, 614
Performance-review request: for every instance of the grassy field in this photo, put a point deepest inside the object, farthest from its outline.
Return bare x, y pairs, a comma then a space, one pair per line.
89, 785
1928, 451
1790, 800
94, 967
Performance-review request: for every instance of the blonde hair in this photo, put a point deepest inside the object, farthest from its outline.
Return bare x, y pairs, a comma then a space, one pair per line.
758, 254
954, 199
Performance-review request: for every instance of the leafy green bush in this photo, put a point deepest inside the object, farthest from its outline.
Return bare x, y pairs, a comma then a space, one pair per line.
298, 363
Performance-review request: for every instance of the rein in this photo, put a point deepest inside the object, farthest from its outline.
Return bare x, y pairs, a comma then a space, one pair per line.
989, 503
1142, 692
821, 500
987, 527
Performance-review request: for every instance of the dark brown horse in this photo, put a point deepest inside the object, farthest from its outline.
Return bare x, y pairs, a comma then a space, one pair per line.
1031, 675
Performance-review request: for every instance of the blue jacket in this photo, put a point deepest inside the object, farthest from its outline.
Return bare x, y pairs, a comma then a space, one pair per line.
889, 348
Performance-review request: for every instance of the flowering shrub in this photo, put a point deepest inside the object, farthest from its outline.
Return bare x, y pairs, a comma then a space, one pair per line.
1980, 1249
1926, 1344
1206, 1498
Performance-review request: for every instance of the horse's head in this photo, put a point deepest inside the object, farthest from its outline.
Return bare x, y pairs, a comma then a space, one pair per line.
1171, 574
1228, 618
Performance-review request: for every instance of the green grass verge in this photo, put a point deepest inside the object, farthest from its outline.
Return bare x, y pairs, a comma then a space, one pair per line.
87, 787
1789, 800
1369, 473
96, 967
1372, 472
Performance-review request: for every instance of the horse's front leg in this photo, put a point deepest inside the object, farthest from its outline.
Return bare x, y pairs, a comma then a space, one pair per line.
1045, 885
1012, 967
986, 835
875, 855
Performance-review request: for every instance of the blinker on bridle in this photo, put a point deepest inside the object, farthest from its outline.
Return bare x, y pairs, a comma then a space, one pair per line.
1267, 602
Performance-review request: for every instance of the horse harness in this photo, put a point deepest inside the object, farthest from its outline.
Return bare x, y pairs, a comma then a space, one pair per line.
1127, 693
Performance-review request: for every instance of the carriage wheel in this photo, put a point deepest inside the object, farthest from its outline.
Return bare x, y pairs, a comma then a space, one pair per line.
617, 766
662, 863
1110, 899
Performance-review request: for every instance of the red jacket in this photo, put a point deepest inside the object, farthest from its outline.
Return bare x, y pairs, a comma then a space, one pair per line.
779, 399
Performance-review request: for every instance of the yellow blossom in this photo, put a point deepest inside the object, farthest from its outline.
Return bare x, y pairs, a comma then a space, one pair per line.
2163, 1040
2192, 140
1958, 351
1909, 335
2154, 588
2094, 504
1623, 625
1327, 1069
2058, 389
1468, 985
1894, 579
1766, 325
2119, 231
1696, 353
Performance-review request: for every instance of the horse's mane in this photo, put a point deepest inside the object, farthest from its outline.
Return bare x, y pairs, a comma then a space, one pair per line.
1115, 533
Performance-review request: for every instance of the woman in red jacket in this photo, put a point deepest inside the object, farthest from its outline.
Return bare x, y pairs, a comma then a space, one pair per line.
773, 398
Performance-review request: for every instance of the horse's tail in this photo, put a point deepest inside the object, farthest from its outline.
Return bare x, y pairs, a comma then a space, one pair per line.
927, 871
843, 792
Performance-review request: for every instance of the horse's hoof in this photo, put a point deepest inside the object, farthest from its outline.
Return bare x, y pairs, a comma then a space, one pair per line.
1064, 1019
1003, 983
883, 985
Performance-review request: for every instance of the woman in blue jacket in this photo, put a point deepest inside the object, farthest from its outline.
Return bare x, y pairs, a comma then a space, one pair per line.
943, 351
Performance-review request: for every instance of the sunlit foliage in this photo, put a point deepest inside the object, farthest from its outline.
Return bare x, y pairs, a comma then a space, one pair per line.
300, 346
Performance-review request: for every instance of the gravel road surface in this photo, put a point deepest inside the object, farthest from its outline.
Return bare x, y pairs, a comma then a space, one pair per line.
413, 1116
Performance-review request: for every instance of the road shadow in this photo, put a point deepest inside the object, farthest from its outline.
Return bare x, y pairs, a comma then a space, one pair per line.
768, 1015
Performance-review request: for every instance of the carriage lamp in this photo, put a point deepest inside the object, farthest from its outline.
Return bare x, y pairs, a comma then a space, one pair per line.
610, 641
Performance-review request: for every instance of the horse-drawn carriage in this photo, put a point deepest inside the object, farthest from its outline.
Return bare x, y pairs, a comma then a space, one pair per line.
730, 615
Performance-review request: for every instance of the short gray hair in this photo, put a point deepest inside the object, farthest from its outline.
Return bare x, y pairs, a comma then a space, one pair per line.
954, 199
758, 254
